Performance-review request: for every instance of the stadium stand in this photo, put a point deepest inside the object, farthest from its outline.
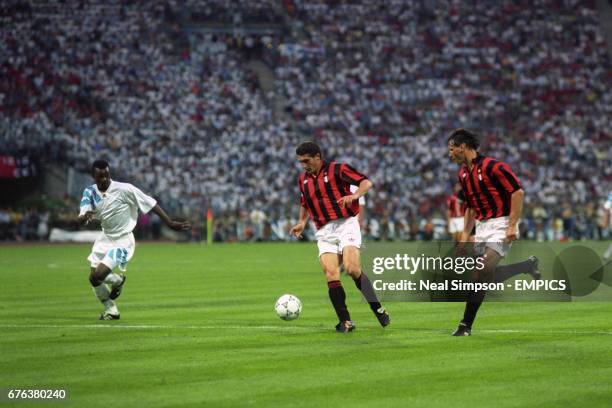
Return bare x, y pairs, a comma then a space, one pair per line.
380, 85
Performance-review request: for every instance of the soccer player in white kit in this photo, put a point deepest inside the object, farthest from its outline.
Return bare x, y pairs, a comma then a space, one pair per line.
116, 205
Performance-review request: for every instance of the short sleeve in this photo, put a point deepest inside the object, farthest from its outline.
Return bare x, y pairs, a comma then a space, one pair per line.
87, 202
145, 203
507, 178
351, 176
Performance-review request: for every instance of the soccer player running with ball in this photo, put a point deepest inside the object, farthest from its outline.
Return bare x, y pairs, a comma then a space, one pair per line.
327, 199
116, 205
494, 199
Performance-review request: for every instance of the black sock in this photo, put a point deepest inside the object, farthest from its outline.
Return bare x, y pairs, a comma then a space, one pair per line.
475, 299
338, 298
367, 290
504, 272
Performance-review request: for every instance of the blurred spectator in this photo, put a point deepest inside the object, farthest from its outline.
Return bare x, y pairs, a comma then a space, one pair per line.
42, 229
378, 84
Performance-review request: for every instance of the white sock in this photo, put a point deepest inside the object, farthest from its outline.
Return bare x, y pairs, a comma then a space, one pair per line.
101, 291
113, 279
608, 252
110, 307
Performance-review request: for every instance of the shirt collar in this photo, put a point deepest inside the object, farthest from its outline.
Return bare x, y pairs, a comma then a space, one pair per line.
478, 159
109, 188
323, 167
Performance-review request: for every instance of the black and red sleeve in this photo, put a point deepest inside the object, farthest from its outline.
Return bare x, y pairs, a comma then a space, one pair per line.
351, 176
506, 177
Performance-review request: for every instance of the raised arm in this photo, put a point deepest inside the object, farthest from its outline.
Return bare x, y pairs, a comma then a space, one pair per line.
172, 224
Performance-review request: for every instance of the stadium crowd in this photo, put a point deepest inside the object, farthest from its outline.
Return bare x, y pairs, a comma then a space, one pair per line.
224, 12
379, 85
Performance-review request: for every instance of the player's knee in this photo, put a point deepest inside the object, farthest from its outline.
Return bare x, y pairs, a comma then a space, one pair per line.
353, 269
93, 278
332, 274
98, 274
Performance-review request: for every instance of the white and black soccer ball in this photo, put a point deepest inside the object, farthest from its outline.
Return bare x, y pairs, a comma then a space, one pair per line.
288, 307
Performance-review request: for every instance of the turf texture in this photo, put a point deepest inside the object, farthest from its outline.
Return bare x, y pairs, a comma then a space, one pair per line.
198, 329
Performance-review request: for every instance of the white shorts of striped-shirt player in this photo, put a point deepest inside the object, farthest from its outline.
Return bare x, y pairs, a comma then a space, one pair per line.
112, 252
337, 234
491, 233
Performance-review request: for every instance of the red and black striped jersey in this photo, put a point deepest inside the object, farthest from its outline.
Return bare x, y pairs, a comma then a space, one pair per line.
488, 186
321, 192
456, 205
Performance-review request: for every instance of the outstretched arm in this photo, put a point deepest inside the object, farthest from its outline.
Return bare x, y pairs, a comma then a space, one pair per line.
172, 224
297, 229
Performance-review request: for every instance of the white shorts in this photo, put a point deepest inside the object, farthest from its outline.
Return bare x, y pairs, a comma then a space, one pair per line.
491, 233
112, 251
455, 225
337, 234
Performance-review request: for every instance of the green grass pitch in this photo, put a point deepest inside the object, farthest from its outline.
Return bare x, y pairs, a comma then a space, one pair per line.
198, 329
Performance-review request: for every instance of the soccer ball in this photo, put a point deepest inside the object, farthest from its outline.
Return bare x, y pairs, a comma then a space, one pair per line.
288, 307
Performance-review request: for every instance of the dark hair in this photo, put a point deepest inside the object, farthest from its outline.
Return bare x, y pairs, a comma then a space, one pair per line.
99, 164
461, 136
309, 148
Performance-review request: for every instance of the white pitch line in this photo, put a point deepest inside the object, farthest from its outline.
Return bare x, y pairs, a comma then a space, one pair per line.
275, 328
150, 326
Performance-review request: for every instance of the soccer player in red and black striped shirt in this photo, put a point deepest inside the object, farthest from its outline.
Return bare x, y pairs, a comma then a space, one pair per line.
494, 199
455, 211
326, 198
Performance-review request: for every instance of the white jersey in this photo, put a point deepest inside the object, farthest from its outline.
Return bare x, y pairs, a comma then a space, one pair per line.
117, 207
354, 190
608, 203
